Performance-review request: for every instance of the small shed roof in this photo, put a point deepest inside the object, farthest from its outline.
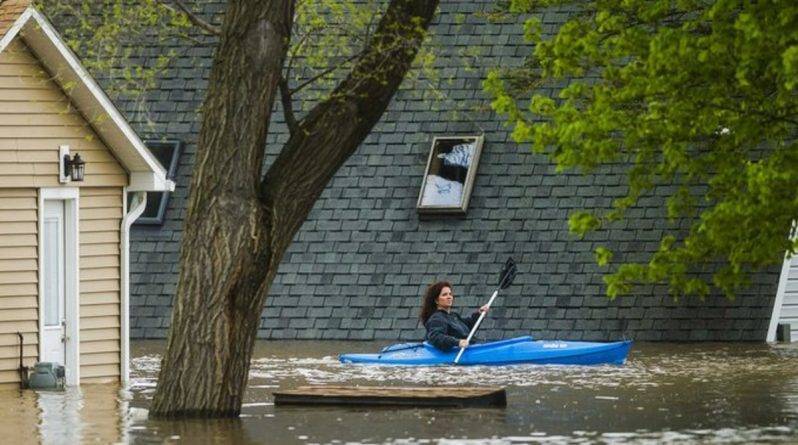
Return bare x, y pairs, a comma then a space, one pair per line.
20, 18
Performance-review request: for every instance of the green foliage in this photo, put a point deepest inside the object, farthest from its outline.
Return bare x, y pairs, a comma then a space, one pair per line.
109, 34
603, 256
326, 39
698, 94
113, 38
583, 222
118, 41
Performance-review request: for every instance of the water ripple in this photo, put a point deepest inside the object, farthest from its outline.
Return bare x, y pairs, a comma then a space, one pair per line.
665, 394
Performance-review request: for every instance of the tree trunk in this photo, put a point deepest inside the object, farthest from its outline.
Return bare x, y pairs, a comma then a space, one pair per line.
238, 227
225, 252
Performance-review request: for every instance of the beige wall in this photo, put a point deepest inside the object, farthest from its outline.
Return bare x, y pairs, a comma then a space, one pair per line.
100, 219
35, 118
18, 279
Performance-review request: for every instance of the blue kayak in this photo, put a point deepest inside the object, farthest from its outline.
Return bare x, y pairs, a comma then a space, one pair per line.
514, 351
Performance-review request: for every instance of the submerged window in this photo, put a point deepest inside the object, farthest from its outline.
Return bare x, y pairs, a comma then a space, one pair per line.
450, 173
167, 153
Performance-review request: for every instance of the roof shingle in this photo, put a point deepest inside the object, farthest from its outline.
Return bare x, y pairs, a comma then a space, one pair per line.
10, 10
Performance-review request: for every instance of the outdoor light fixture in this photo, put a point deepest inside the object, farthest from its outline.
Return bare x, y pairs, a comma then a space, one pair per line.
72, 168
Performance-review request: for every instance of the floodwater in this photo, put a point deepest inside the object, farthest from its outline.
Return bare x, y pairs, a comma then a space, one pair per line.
666, 393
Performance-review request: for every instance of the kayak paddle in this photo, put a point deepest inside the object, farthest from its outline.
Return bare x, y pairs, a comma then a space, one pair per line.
506, 278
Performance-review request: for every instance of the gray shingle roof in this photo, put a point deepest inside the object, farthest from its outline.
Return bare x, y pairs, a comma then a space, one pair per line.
360, 262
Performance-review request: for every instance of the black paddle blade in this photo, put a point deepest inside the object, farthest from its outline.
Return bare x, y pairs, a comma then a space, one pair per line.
508, 273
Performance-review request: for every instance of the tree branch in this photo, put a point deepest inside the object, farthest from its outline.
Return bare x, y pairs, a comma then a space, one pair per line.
324, 73
292, 55
334, 128
288, 108
192, 17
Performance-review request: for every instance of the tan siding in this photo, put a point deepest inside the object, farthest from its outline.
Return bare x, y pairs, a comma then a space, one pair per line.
100, 219
12, 228
99, 373
18, 264
19, 240
98, 334
18, 280
13, 253
90, 323
19, 314
96, 226
13, 340
27, 327
13, 352
100, 298
15, 290
98, 358
100, 273
21, 193
99, 310
94, 286
17, 215
98, 250
27, 107
11, 203
102, 237
111, 378
18, 302
10, 363
99, 261
18, 277
35, 118
100, 346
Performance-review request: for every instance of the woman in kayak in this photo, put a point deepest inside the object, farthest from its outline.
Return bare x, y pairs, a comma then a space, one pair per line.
445, 329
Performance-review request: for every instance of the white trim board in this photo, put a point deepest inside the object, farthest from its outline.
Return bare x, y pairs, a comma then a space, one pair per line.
71, 198
776, 313
781, 291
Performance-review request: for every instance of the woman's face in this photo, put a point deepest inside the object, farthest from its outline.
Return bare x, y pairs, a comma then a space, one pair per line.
445, 299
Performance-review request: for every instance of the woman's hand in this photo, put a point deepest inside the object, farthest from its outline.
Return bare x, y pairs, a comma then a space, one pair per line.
484, 309
463, 343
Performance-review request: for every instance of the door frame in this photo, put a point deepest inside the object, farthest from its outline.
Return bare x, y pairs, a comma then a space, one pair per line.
71, 198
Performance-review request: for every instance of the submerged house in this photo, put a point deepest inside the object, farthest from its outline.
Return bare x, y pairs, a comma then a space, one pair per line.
383, 229
67, 161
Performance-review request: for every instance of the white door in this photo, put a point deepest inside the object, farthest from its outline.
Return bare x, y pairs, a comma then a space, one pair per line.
54, 330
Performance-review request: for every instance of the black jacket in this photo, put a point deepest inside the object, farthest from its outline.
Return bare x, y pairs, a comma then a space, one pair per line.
444, 329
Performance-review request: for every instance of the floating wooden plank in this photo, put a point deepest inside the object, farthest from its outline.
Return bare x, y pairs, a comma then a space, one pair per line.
393, 395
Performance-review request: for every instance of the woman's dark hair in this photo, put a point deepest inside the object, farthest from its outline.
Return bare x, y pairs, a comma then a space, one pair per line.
428, 304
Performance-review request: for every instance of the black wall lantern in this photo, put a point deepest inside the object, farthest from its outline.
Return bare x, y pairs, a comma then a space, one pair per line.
71, 168
75, 167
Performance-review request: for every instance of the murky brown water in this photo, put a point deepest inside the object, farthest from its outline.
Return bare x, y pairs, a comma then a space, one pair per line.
685, 393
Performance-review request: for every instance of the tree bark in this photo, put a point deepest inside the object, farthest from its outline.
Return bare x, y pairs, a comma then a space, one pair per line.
226, 230
239, 226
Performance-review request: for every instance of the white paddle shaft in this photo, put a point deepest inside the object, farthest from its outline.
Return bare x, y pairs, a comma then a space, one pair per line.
476, 325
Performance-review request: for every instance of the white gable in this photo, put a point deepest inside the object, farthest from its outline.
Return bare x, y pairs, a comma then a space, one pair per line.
146, 173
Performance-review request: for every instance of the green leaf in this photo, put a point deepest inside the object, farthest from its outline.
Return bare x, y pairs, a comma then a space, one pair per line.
696, 101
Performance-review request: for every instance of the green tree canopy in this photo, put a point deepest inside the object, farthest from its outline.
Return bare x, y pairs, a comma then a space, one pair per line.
696, 94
